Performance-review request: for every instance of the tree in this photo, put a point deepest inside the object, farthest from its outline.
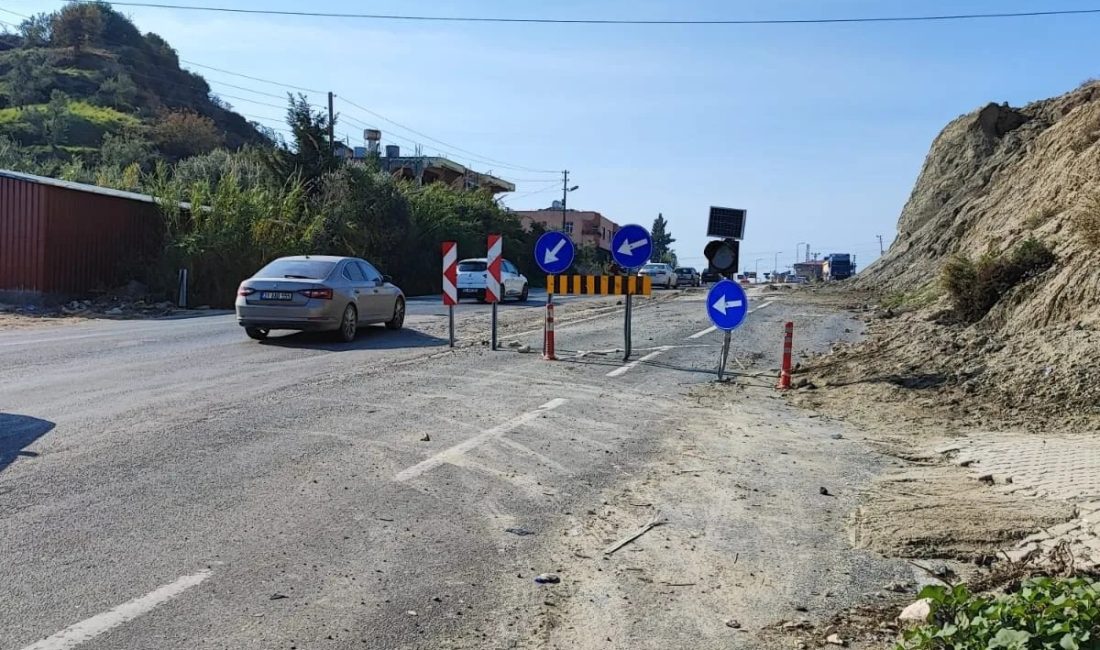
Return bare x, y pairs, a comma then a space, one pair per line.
55, 119
662, 241
125, 149
310, 155
118, 91
180, 134
36, 30
29, 78
77, 25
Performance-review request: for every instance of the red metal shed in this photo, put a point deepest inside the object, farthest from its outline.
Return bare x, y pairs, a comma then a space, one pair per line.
59, 238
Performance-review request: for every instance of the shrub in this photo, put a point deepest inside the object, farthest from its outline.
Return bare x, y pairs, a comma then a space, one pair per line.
1086, 220
975, 287
1042, 613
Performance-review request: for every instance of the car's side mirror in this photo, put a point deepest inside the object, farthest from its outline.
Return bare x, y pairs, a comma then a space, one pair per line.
387, 278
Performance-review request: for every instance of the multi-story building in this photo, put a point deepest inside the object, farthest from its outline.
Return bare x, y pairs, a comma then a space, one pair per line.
585, 227
429, 169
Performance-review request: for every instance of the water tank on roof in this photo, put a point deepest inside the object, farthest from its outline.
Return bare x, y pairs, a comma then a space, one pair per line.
393, 151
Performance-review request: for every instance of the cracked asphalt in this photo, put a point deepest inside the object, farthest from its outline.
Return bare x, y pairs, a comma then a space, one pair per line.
172, 484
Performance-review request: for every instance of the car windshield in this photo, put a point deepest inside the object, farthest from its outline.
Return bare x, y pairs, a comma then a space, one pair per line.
684, 271
290, 268
471, 267
653, 267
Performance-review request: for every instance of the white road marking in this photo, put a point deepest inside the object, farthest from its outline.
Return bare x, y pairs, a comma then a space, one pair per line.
703, 333
634, 364
456, 452
88, 629
713, 328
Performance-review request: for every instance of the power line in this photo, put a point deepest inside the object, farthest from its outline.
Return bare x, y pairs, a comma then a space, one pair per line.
470, 154
482, 160
260, 79
621, 21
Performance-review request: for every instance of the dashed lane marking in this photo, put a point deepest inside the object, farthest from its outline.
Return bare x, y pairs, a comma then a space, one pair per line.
712, 328
458, 451
634, 364
90, 628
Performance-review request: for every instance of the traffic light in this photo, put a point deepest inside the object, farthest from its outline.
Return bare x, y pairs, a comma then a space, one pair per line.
723, 255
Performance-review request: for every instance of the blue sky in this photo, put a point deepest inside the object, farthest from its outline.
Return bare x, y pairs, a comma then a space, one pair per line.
818, 130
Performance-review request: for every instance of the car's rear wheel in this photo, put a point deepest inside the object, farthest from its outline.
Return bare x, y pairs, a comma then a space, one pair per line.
398, 319
257, 333
523, 295
349, 324
668, 285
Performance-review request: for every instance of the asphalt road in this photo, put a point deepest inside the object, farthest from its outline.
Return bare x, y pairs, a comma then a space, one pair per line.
172, 484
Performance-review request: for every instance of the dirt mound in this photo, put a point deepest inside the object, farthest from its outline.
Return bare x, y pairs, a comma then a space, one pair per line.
994, 178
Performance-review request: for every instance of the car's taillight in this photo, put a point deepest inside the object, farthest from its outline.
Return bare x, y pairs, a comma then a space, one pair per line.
322, 294
245, 291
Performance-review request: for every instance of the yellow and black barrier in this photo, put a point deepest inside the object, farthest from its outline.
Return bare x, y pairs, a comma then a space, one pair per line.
599, 285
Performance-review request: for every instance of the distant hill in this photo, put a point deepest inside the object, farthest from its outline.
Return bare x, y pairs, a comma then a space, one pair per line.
84, 76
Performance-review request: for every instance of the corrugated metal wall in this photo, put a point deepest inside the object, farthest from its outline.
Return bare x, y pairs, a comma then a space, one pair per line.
95, 241
55, 240
22, 235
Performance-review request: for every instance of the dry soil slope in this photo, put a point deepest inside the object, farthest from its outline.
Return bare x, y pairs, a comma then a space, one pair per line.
994, 177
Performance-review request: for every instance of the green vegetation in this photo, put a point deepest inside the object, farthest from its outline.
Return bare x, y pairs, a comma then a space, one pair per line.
87, 98
662, 242
975, 287
70, 78
1044, 613
921, 297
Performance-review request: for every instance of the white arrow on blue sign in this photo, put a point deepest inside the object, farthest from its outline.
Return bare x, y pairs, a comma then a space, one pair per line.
554, 252
727, 305
632, 246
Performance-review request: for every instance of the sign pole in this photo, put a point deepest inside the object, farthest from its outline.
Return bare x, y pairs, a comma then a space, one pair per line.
450, 284
724, 357
494, 291
626, 327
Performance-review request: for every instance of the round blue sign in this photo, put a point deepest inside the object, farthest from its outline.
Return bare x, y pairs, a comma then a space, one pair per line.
727, 305
554, 252
632, 246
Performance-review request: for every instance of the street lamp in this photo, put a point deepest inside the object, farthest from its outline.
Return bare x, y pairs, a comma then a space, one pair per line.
775, 265
801, 243
756, 271
565, 195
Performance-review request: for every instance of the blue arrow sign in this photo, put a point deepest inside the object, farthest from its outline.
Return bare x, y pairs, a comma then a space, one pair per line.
554, 252
631, 246
727, 305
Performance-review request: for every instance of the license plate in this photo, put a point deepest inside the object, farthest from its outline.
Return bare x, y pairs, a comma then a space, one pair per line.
276, 295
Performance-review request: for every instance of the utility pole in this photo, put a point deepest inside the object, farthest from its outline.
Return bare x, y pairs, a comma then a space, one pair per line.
564, 196
331, 126
880, 249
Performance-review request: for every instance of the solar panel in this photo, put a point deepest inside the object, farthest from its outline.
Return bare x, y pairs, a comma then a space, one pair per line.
727, 223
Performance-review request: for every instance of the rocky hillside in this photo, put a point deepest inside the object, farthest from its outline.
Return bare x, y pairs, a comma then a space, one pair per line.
1026, 357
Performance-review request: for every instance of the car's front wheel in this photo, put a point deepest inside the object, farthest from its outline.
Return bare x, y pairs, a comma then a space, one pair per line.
398, 319
349, 324
523, 294
257, 333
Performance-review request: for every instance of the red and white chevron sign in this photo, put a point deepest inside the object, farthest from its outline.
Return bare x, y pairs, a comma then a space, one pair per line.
450, 273
492, 283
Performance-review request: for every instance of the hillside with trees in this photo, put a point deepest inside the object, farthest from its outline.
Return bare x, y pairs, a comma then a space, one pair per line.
85, 97
84, 82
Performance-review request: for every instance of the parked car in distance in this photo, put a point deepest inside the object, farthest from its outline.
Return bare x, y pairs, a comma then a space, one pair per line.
687, 276
662, 274
710, 275
473, 274
318, 293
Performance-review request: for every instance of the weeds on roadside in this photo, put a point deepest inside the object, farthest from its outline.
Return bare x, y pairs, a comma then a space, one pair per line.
1043, 613
976, 286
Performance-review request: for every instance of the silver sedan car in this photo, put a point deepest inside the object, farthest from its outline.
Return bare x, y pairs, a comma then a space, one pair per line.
318, 293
